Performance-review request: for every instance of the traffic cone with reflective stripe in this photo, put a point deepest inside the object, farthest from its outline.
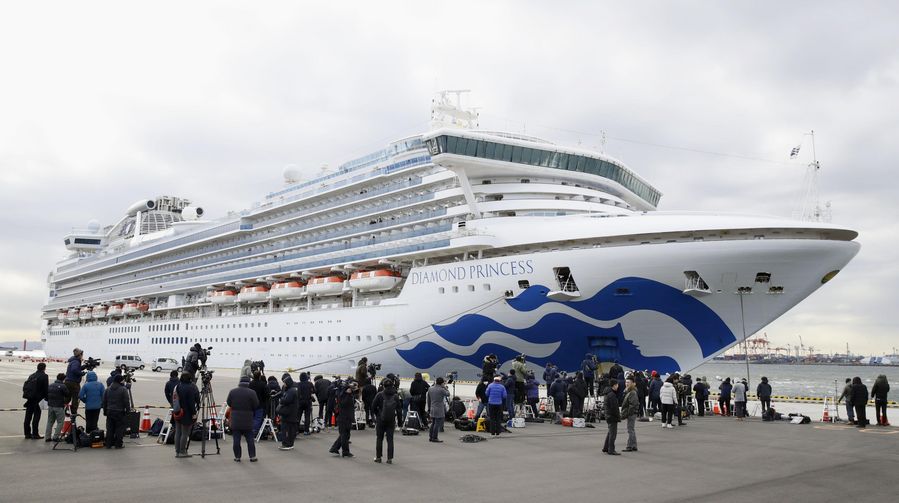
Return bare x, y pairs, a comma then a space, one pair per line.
716, 410
145, 422
826, 418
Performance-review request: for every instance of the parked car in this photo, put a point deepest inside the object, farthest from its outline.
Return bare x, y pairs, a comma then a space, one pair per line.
130, 361
161, 364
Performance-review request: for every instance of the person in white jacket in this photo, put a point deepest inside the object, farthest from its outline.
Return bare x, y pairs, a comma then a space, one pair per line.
668, 397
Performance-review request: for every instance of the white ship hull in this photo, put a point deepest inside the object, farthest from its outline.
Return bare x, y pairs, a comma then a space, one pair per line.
651, 324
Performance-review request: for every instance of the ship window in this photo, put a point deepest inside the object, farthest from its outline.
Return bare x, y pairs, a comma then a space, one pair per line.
470, 288
524, 284
763, 277
319, 338
486, 286
455, 289
380, 337
441, 290
368, 338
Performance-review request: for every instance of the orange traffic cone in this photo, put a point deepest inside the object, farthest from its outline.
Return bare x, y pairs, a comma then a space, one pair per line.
66, 425
716, 410
826, 418
145, 422
470, 413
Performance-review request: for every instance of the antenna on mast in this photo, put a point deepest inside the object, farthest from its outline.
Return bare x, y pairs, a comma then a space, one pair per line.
445, 113
811, 204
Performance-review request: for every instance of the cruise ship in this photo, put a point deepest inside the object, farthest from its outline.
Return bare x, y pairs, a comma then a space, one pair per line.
430, 254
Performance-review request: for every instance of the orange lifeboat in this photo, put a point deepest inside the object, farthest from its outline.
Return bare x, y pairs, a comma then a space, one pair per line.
291, 289
114, 311
253, 293
72, 315
325, 285
130, 309
376, 280
223, 297
143, 307
86, 313
98, 312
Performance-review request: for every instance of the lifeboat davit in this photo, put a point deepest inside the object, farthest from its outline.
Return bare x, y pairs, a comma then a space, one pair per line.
61, 315
114, 311
254, 293
98, 312
376, 280
287, 290
130, 309
86, 313
72, 315
325, 285
223, 297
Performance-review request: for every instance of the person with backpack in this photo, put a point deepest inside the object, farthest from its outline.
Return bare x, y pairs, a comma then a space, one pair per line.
588, 369
57, 397
305, 397
346, 415
34, 391
289, 410
92, 396
496, 397
419, 389
384, 409
185, 407
243, 402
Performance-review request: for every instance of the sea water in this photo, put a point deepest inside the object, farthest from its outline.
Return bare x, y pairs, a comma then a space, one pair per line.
795, 380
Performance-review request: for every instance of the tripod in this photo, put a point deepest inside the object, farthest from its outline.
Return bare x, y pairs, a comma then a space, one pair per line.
68, 429
208, 417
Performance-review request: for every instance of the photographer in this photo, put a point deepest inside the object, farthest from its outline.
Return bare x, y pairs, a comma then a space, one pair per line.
385, 408
170, 386
321, 394
588, 367
188, 397
246, 370
243, 402
488, 369
259, 387
92, 396
57, 396
115, 404
33, 391
437, 397
419, 389
577, 392
305, 395
362, 371
559, 393
288, 409
346, 404
195, 359
74, 373
369, 390
521, 371
532, 392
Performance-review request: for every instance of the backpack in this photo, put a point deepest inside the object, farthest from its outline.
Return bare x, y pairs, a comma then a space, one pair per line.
156, 429
29, 389
177, 411
388, 409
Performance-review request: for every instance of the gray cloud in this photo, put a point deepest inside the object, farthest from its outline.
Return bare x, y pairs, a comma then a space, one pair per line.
106, 104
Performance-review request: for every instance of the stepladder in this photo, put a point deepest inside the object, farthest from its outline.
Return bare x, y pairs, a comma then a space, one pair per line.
166, 429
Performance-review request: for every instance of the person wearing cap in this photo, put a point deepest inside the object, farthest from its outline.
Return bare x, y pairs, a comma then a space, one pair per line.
115, 404
763, 391
496, 397
243, 402
74, 373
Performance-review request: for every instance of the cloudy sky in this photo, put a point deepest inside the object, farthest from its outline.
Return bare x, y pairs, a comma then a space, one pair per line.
102, 104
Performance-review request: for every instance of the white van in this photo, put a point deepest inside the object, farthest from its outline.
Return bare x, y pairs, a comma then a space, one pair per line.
130, 361
161, 364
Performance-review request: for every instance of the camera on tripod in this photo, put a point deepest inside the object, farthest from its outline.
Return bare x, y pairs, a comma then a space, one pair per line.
452, 376
373, 369
206, 376
127, 375
257, 366
91, 363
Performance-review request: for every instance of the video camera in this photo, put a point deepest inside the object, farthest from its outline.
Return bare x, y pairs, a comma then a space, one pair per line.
206, 376
127, 375
373, 369
91, 363
452, 376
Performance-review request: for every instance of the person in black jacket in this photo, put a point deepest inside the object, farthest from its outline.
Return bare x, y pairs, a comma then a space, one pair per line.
369, 390
189, 399
289, 410
879, 393
170, 386
418, 390
305, 397
859, 401
321, 394
36, 386
57, 397
763, 391
243, 402
384, 407
577, 392
559, 392
613, 416
259, 387
481, 393
488, 369
115, 404
346, 404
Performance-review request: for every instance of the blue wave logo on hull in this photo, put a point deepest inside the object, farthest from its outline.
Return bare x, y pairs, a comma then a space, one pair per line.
575, 338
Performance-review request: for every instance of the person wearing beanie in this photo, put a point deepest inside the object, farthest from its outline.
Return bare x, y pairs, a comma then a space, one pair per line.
243, 402
116, 404
763, 391
288, 409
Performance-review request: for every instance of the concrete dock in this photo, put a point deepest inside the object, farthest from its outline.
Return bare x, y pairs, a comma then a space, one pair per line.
711, 459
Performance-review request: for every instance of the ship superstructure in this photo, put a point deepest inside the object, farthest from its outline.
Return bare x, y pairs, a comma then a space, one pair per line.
431, 253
